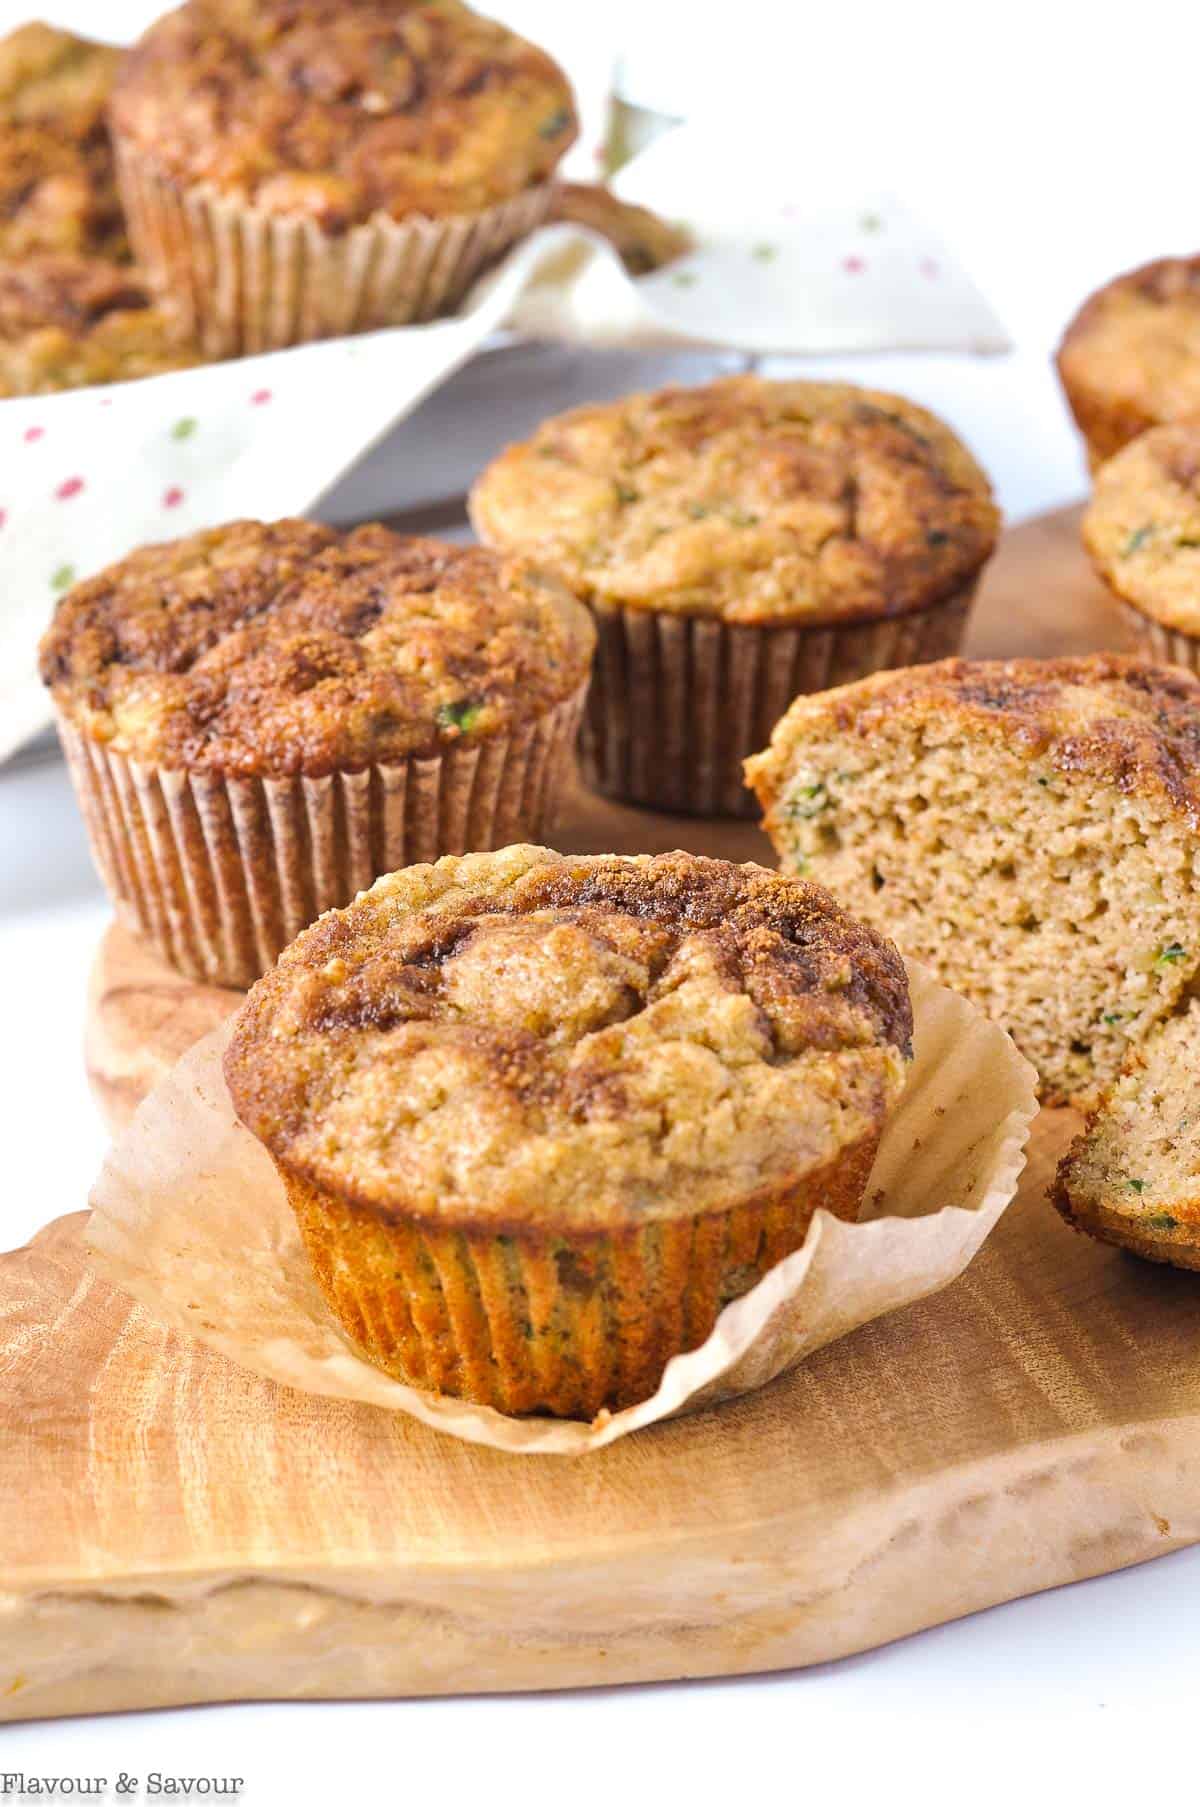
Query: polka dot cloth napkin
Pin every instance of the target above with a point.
(87, 476)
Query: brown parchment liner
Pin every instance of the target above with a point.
(190, 1217)
(246, 280)
(679, 701)
(220, 874)
(1165, 645)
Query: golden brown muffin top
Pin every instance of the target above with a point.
(57, 188)
(1131, 356)
(532, 1042)
(52, 77)
(1118, 720)
(274, 649)
(339, 109)
(746, 499)
(1142, 527)
(68, 321)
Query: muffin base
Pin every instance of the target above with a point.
(221, 873)
(678, 701)
(1165, 645)
(1179, 1247)
(242, 280)
(529, 1322)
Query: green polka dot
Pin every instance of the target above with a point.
(870, 222)
(764, 253)
(63, 578)
(684, 279)
(184, 428)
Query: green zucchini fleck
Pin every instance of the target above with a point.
(808, 801)
(462, 716)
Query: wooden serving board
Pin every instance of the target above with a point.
(173, 1529)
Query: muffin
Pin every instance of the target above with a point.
(57, 184)
(261, 718)
(1130, 359)
(48, 76)
(293, 169)
(72, 309)
(1133, 1177)
(67, 321)
(541, 1118)
(1028, 829)
(1142, 530)
(739, 543)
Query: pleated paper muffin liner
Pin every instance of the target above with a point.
(221, 873)
(529, 1322)
(679, 701)
(245, 280)
(191, 1217)
(1165, 645)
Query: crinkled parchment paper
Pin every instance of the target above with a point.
(190, 1218)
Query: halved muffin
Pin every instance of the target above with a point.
(737, 544)
(262, 717)
(1133, 1176)
(1028, 829)
(541, 1118)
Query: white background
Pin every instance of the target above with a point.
(1050, 145)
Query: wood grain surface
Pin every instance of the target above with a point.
(174, 1529)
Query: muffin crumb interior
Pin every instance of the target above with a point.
(1027, 829)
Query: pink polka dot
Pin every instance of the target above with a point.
(71, 486)
(260, 396)
(929, 267)
(172, 497)
(854, 266)
(3, 516)
(33, 433)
